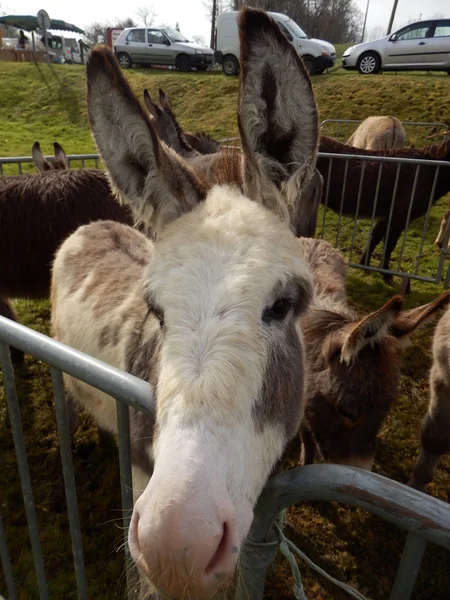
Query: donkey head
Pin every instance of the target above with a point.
(355, 371)
(224, 288)
(60, 161)
(166, 125)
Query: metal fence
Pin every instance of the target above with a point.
(427, 519)
(351, 230)
(417, 133)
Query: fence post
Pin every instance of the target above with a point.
(409, 567)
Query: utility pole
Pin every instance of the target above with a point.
(391, 20)
(365, 21)
(213, 24)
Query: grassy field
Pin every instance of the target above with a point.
(351, 545)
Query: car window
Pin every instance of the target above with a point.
(414, 32)
(284, 30)
(442, 29)
(136, 35)
(155, 37)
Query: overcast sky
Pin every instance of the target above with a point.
(190, 14)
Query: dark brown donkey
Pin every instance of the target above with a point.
(435, 434)
(424, 188)
(353, 362)
(37, 213)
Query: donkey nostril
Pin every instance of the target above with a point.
(220, 552)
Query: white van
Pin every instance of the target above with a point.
(317, 55)
(66, 50)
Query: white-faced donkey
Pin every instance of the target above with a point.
(208, 314)
(353, 362)
(435, 434)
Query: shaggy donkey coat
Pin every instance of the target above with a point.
(378, 133)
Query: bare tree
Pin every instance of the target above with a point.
(96, 33)
(375, 33)
(147, 15)
(199, 39)
(213, 10)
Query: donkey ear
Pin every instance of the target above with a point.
(164, 100)
(152, 107)
(153, 180)
(38, 158)
(370, 329)
(277, 118)
(60, 154)
(410, 320)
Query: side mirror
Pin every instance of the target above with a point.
(393, 37)
(167, 42)
(289, 37)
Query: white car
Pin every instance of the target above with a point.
(422, 46)
(317, 55)
(156, 46)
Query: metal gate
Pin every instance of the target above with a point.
(351, 232)
(427, 519)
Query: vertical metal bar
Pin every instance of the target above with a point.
(344, 186)
(388, 230)
(25, 481)
(375, 202)
(358, 200)
(408, 217)
(126, 481)
(19, 164)
(427, 218)
(82, 163)
(96, 163)
(408, 568)
(6, 564)
(327, 192)
(1, 168)
(69, 482)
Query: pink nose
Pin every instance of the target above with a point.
(185, 554)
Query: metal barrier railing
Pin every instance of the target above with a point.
(419, 132)
(28, 160)
(357, 223)
(427, 519)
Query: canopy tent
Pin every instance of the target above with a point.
(30, 23)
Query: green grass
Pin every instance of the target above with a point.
(349, 543)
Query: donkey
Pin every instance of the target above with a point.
(60, 161)
(226, 164)
(37, 213)
(208, 314)
(353, 362)
(439, 241)
(342, 195)
(202, 142)
(435, 434)
(379, 133)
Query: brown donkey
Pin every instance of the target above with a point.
(58, 163)
(208, 313)
(345, 199)
(353, 362)
(435, 434)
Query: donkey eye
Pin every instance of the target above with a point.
(278, 311)
(345, 414)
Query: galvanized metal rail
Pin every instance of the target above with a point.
(427, 519)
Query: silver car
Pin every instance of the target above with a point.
(422, 46)
(156, 46)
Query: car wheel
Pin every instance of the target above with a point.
(369, 63)
(124, 60)
(183, 63)
(310, 64)
(230, 65)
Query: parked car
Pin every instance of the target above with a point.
(156, 46)
(317, 55)
(421, 46)
(65, 50)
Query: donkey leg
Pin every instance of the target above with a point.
(309, 448)
(6, 310)
(377, 235)
(389, 244)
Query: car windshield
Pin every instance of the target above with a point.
(295, 29)
(175, 36)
